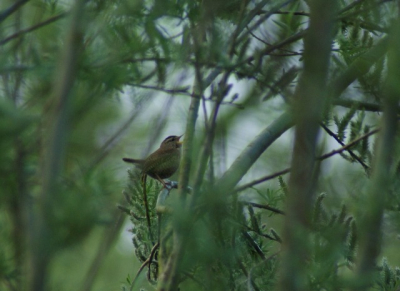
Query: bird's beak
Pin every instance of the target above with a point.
(180, 142)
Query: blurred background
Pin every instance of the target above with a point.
(85, 83)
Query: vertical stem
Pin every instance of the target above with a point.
(169, 275)
(19, 201)
(309, 102)
(42, 238)
(370, 223)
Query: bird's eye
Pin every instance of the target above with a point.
(169, 139)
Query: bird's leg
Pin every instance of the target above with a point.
(162, 181)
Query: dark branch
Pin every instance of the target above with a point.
(270, 208)
(323, 157)
(32, 28)
(10, 10)
(352, 154)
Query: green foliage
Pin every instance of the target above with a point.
(63, 117)
(280, 86)
(235, 248)
(389, 278)
(143, 237)
(357, 127)
(227, 246)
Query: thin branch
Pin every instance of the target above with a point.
(32, 28)
(359, 104)
(375, 52)
(169, 275)
(351, 6)
(180, 90)
(323, 157)
(295, 37)
(206, 151)
(147, 59)
(347, 146)
(262, 180)
(360, 11)
(184, 91)
(263, 206)
(352, 154)
(235, 34)
(145, 263)
(242, 24)
(10, 10)
(268, 44)
(152, 254)
(263, 19)
(253, 244)
(298, 13)
(258, 232)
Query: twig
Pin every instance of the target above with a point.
(244, 21)
(181, 90)
(295, 37)
(260, 233)
(262, 19)
(235, 34)
(352, 154)
(253, 244)
(323, 157)
(10, 10)
(145, 263)
(263, 179)
(349, 145)
(350, 6)
(32, 28)
(263, 206)
(152, 253)
(359, 104)
(298, 13)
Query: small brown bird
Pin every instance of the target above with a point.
(164, 162)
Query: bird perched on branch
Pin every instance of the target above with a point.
(164, 162)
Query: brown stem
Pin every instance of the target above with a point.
(309, 101)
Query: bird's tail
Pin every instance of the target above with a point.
(133, 161)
